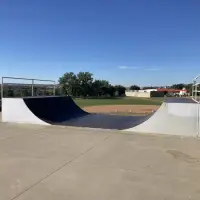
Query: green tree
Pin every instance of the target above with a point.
(134, 87)
(188, 87)
(58, 91)
(69, 83)
(85, 81)
(179, 86)
(149, 87)
(120, 90)
(111, 90)
(26, 91)
(8, 92)
(17, 93)
(100, 87)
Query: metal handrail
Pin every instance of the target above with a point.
(29, 79)
(195, 89)
(196, 77)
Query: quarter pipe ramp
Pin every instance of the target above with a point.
(173, 117)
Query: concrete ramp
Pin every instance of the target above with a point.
(172, 119)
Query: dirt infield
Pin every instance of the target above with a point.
(136, 109)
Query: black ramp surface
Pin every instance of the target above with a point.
(106, 121)
(63, 111)
(54, 109)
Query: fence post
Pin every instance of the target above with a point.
(1, 88)
(32, 88)
(54, 88)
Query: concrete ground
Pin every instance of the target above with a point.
(54, 163)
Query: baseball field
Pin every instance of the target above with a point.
(125, 105)
(118, 101)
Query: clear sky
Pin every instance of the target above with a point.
(127, 42)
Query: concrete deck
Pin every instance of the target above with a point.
(40, 163)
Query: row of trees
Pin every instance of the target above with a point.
(83, 84)
(78, 85)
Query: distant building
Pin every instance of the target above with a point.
(147, 92)
(179, 92)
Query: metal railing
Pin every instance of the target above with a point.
(196, 89)
(32, 84)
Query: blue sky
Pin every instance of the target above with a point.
(145, 42)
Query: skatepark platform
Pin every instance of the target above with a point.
(176, 116)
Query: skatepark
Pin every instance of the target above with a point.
(98, 100)
(67, 153)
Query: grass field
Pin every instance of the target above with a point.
(118, 101)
